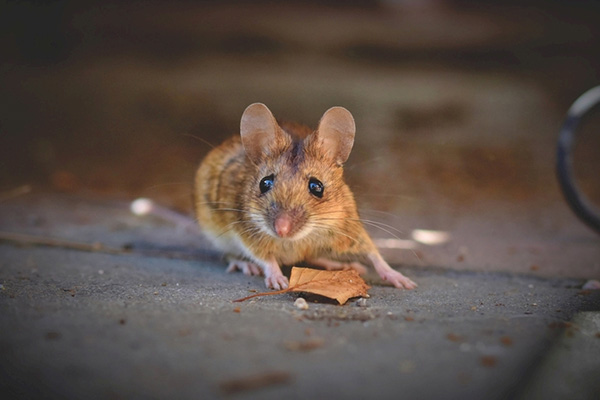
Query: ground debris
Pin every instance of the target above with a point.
(304, 345)
(356, 314)
(336, 285)
(301, 304)
(591, 285)
(488, 361)
(254, 382)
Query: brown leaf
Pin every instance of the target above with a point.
(337, 285)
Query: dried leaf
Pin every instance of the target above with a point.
(337, 285)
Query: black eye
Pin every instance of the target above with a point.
(266, 183)
(316, 187)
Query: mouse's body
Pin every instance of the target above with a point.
(275, 195)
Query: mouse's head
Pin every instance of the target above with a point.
(297, 185)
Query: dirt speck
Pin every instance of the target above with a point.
(506, 341)
(489, 361)
(455, 338)
(254, 382)
(304, 345)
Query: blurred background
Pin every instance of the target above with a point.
(458, 105)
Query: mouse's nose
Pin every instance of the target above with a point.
(283, 225)
(288, 222)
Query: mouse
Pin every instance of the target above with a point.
(275, 195)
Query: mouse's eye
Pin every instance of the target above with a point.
(266, 183)
(316, 187)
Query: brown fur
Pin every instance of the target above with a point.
(240, 220)
(227, 179)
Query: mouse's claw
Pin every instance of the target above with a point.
(399, 280)
(389, 274)
(277, 282)
(246, 267)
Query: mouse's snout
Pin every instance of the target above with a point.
(283, 225)
(287, 223)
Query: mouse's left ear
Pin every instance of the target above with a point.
(336, 130)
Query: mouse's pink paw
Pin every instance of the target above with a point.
(277, 282)
(246, 267)
(398, 280)
(389, 274)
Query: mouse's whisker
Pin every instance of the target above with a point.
(219, 207)
(373, 211)
(247, 228)
(212, 146)
(228, 228)
(335, 230)
(390, 230)
(228, 209)
(372, 223)
(334, 214)
(379, 224)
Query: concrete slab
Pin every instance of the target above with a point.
(92, 325)
(570, 370)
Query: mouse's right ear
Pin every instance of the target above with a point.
(259, 131)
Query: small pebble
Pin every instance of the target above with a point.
(362, 302)
(591, 285)
(301, 304)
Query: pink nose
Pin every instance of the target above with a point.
(283, 225)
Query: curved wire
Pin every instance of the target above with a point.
(564, 161)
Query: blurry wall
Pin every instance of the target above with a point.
(462, 100)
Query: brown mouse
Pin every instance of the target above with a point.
(275, 195)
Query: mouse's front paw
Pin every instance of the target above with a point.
(277, 282)
(246, 267)
(398, 280)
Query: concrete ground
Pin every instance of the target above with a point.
(157, 321)
(458, 106)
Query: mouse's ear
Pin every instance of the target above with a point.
(259, 130)
(336, 130)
